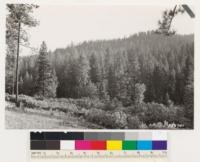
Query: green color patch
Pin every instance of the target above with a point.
(129, 145)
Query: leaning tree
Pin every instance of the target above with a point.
(169, 15)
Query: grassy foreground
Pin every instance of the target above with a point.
(38, 119)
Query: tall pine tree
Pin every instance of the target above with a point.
(132, 74)
(19, 16)
(46, 84)
(112, 82)
(94, 69)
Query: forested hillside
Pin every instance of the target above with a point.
(143, 70)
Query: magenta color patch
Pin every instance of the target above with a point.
(83, 145)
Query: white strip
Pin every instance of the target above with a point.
(67, 145)
(158, 135)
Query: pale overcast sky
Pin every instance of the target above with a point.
(61, 25)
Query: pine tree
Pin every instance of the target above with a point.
(179, 92)
(189, 87)
(46, 81)
(11, 42)
(21, 85)
(107, 62)
(101, 86)
(171, 84)
(119, 67)
(77, 82)
(112, 82)
(83, 79)
(10, 73)
(159, 86)
(94, 69)
(27, 84)
(20, 15)
(149, 94)
(132, 74)
(188, 70)
(69, 82)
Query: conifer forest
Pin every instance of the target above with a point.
(142, 81)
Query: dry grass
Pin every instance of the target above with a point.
(18, 119)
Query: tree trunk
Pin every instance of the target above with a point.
(17, 63)
(13, 78)
(13, 84)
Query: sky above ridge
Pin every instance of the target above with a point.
(62, 25)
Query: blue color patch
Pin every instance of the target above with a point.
(144, 145)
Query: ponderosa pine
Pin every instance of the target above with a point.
(46, 83)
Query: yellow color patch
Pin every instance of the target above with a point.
(114, 145)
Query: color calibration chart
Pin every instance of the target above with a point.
(98, 146)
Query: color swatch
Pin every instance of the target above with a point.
(97, 141)
(129, 145)
(114, 145)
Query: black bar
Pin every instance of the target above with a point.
(36, 136)
(52, 135)
(57, 136)
(45, 135)
(72, 136)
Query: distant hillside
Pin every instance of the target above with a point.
(151, 51)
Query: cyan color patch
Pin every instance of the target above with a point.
(144, 145)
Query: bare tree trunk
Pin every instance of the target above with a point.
(13, 83)
(17, 64)
(13, 78)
